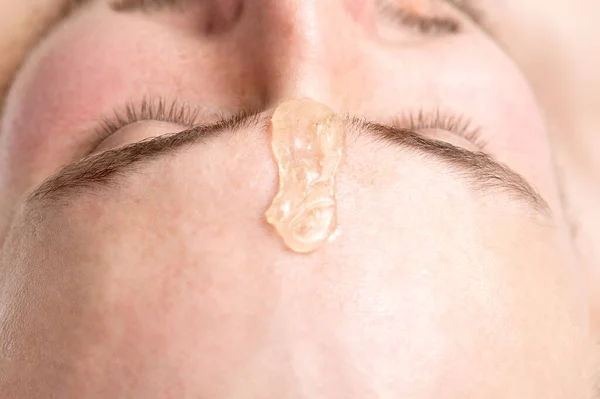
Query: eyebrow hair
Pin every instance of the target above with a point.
(470, 9)
(147, 5)
(102, 167)
(480, 169)
(467, 7)
(75, 4)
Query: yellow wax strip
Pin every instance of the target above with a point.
(309, 146)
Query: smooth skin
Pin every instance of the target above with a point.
(171, 284)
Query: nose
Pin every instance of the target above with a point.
(306, 47)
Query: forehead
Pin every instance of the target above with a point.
(183, 261)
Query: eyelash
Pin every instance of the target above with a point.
(183, 114)
(456, 124)
(428, 25)
(148, 110)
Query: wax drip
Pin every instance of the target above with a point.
(309, 146)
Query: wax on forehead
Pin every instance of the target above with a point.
(308, 143)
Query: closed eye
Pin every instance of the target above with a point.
(426, 119)
(148, 109)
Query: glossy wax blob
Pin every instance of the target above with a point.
(309, 146)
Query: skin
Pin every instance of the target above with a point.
(565, 80)
(21, 25)
(171, 283)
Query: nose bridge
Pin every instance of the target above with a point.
(301, 23)
(306, 42)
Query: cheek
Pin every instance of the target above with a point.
(485, 83)
(81, 76)
(497, 94)
(88, 67)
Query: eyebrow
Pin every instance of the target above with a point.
(481, 170)
(470, 9)
(467, 7)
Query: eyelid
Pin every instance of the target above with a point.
(148, 109)
(457, 124)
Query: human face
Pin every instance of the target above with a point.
(146, 267)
